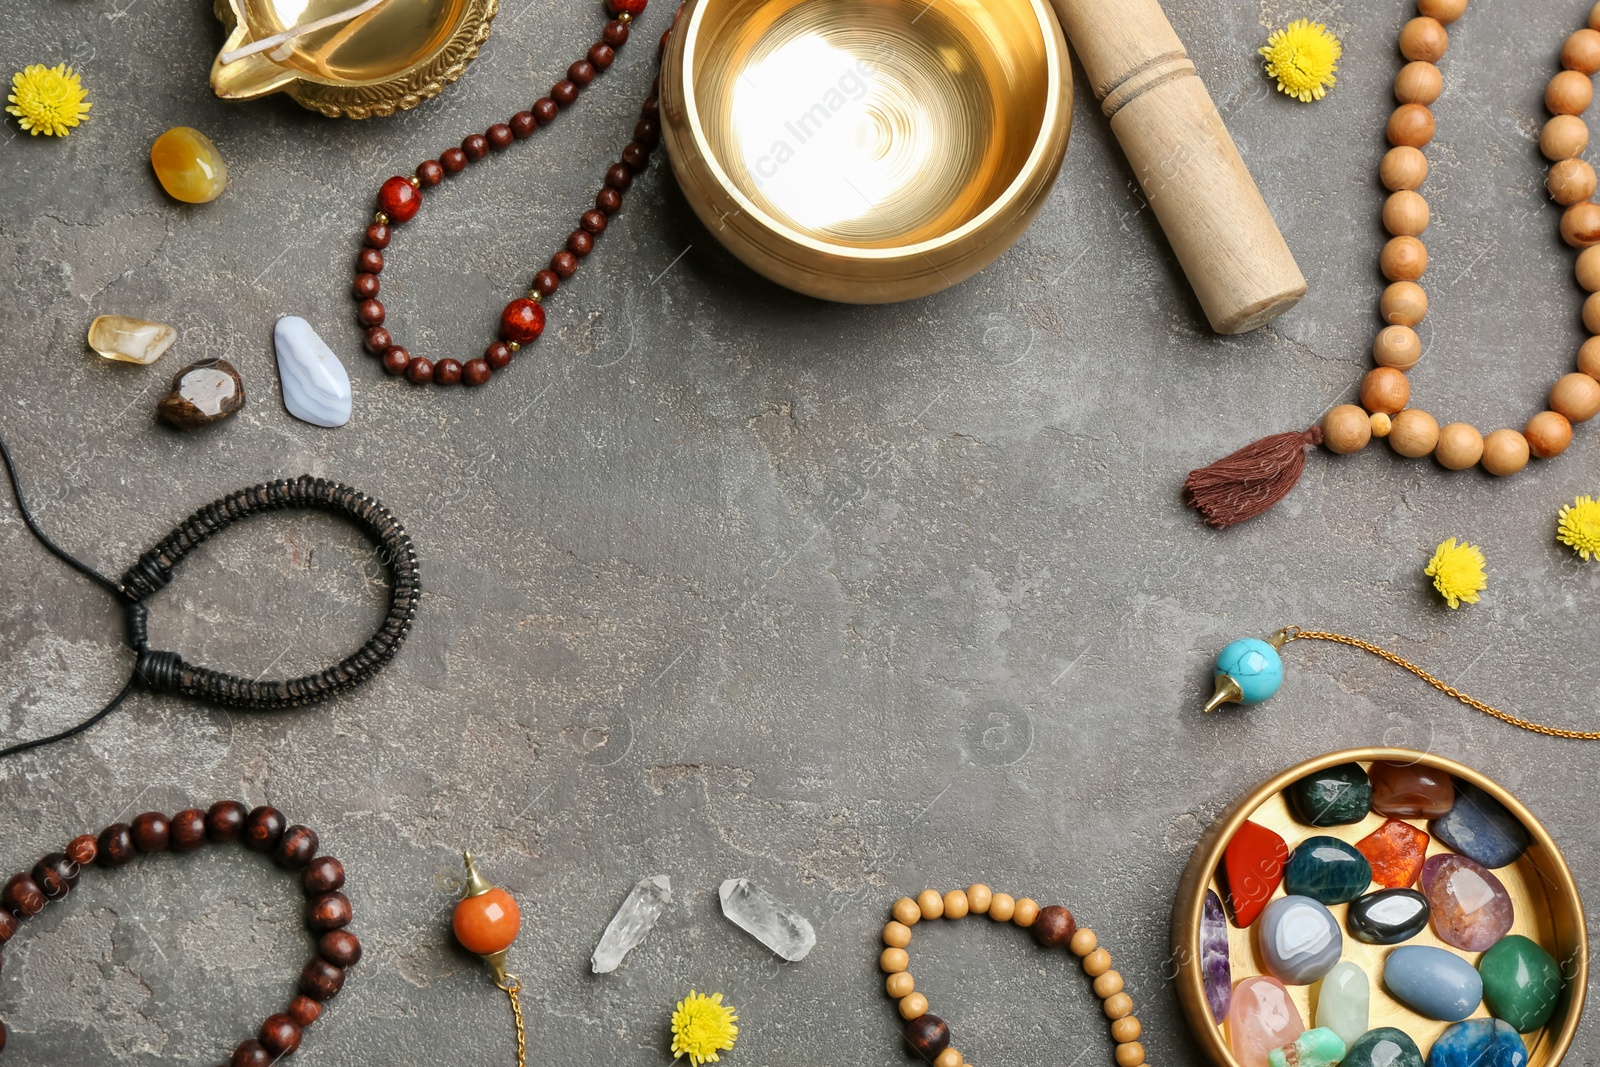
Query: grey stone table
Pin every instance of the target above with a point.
(724, 581)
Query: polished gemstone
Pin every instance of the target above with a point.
(202, 393)
(1396, 851)
(316, 388)
(1300, 940)
(1410, 790)
(1478, 1043)
(1261, 1017)
(1344, 1000)
(1313, 1048)
(130, 340)
(1335, 796)
(1521, 982)
(1253, 866)
(188, 165)
(1470, 908)
(1433, 982)
(1383, 1047)
(1215, 969)
(1388, 916)
(1254, 665)
(1327, 870)
(1479, 826)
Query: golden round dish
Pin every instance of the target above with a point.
(388, 59)
(866, 150)
(1544, 897)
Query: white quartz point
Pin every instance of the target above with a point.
(768, 920)
(316, 388)
(636, 918)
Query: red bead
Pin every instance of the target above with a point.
(55, 875)
(429, 172)
(547, 282)
(447, 372)
(330, 911)
(264, 826)
(630, 7)
(188, 831)
(475, 145)
(498, 355)
(378, 235)
(281, 1035)
(593, 221)
(251, 1054)
(580, 242)
(369, 261)
(453, 160)
(564, 263)
(545, 110)
(1053, 927)
(116, 845)
(619, 176)
(81, 850)
(399, 200)
(615, 33)
(304, 1010)
(365, 286)
(608, 200)
(636, 155)
(476, 372)
(323, 875)
(420, 370)
(377, 340)
(651, 108)
(8, 926)
(320, 979)
(581, 72)
(396, 360)
(601, 55)
(523, 124)
(498, 136)
(340, 948)
(522, 321)
(647, 133)
(151, 832)
(225, 821)
(22, 896)
(296, 847)
(564, 92)
(369, 313)
(1253, 862)
(929, 1035)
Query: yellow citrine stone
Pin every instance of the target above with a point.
(130, 340)
(188, 165)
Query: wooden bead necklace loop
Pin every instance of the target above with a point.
(523, 319)
(1052, 926)
(263, 829)
(1250, 481)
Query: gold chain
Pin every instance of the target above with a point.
(512, 985)
(1294, 633)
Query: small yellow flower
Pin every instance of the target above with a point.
(1303, 57)
(702, 1026)
(1579, 528)
(1457, 572)
(47, 100)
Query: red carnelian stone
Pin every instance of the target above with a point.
(487, 922)
(1253, 863)
(1396, 851)
(632, 7)
(522, 321)
(399, 200)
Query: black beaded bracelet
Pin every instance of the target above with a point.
(265, 830)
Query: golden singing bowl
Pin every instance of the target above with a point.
(388, 59)
(866, 150)
(1544, 897)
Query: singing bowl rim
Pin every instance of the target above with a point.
(1189, 901)
(1058, 102)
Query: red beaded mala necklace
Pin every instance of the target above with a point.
(522, 321)
(1253, 479)
(263, 830)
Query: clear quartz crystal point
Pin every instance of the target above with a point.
(770, 921)
(632, 922)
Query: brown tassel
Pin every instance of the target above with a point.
(1248, 482)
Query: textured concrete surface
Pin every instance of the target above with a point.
(723, 581)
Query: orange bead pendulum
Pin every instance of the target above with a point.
(486, 921)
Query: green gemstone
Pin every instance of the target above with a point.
(1336, 796)
(1313, 1048)
(1383, 1047)
(1521, 982)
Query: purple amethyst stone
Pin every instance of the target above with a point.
(1214, 968)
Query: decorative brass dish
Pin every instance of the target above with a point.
(866, 150)
(1544, 896)
(387, 59)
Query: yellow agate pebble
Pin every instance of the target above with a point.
(188, 165)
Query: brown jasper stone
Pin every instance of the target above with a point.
(1405, 214)
(1404, 259)
(1569, 93)
(281, 1035)
(1398, 347)
(304, 1010)
(323, 875)
(321, 980)
(1424, 39)
(1570, 181)
(55, 875)
(1580, 224)
(1563, 137)
(151, 832)
(1504, 452)
(296, 847)
(251, 1054)
(1054, 926)
(116, 845)
(340, 948)
(22, 896)
(1576, 397)
(1411, 125)
(263, 827)
(1385, 389)
(82, 850)
(1548, 433)
(1403, 167)
(8, 926)
(330, 911)
(1581, 52)
(202, 393)
(225, 821)
(1413, 433)
(928, 1035)
(1346, 429)
(1446, 11)
(1460, 446)
(1404, 304)
(1418, 83)
(187, 831)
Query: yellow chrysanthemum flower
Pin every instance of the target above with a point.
(47, 100)
(1303, 57)
(702, 1026)
(1579, 528)
(1457, 572)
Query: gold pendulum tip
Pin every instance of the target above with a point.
(1228, 692)
(476, 885)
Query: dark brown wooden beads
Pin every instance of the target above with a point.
(296, 847)
(187, 831)
(330, 911)
(1054, 926)
(151, 832)
(251, 1054)
(281, 1035)
(55, 875)
(263, 827)
(305, 1011)
(323, 875)
(928, 1035)
(321, 980)
(340, 948)
(83, 849)
(22, 896)
(225, 821)
(116, 845)
(8, 926)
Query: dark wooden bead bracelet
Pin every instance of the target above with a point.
(262, 830)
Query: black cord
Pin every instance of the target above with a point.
(23, 746)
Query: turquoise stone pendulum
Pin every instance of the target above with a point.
(1248, 671)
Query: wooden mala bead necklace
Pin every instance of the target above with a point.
(522, 320)
(1253, 479)
(263, 829)
(1052, 927)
